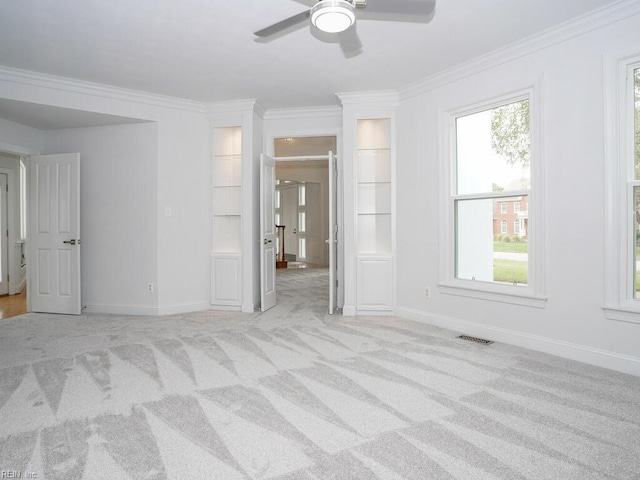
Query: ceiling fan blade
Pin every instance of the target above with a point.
(398, 10)
(282, 25)
(308, 3)
(350, 42)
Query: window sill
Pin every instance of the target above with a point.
(514, 298)
(622, 314)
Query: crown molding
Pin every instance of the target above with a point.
(298, 113)
(231, 106)
(576, 27)
(382, 98)
(64, 84)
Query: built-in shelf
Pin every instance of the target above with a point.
(227, 190)
(226, 211)
(373, 183)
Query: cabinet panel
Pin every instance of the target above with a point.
(225, 280)
(375, 283)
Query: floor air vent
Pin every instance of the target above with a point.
(475, 339)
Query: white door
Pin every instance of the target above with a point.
(54, 233)
(267, 232)
(4, 237)
(333, 234)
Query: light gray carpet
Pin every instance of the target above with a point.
(293, 394)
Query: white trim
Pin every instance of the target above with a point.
(18, 149)
(121, 309)
(533, 294)
(494, 293)
(618, 174)
(349, 311)
(184, 308)
(65, 84)
(384, 99)
(215, 109)
(582, 353)
(139, 310)
(573, 28)
(298, 113)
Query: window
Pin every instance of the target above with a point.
(622, 248)
(516, 207)
(634, 106)
(301, 195)
(302, 221)
(302, 248)
(492, 160)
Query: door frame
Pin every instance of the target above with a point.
(13, 222)
(314, 132)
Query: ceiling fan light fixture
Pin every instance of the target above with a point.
(333, 16)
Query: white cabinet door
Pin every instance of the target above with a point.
(54, 233)
(267, 232)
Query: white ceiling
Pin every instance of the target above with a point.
(204, 50)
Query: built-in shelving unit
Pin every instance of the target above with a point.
(226, 211)
(374, 214)
(373, 179)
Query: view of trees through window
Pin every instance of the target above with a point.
(491, 198)
(636, 140)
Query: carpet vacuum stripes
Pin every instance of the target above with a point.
(294, 394)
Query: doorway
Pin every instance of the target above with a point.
(13, 288)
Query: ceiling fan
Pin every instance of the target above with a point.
(339, 17)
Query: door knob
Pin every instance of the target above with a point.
(73, 241)
(267, 241)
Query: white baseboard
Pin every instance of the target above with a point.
(349, 310)
(184, 308)
(226, 308)
(121, 309)
(581, 353)
(155, 311)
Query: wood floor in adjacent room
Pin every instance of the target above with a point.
(13, 305)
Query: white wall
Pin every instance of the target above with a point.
(118, 171)
(17, 138)
(181, 176)
(572, 323)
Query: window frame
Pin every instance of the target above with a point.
(532, 294)
(620, 302)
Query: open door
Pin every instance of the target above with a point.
(54, 231)
(267, 233)
(333, 235)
